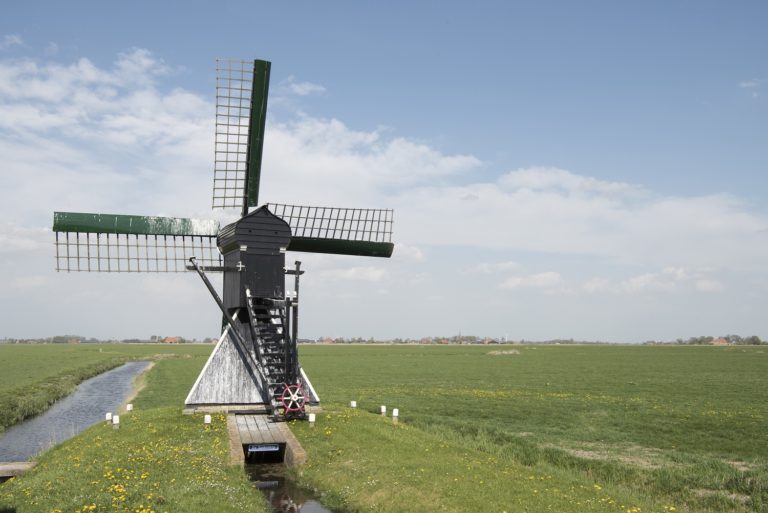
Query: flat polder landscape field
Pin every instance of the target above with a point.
(533, 428)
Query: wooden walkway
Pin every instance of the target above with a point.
(248, 431)
(259, 429)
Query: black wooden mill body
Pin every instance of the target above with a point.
(253, 249)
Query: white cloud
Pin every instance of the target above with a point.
(407, 253)
(27, 282)
(649, 282)
(139, 66)
(17, 239)
(554, 179)
(676, 273)
(111, 138)
(668, 280)
(754, 86)
(530, 211)
(545, 280)
(308, 159)
(302, 88)
(709, 285)
(498, 267)
(10, 40)
(362, 273)
(598, 284)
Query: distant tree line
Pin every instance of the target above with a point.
(735, 340)
(455, 339)
(77, 339)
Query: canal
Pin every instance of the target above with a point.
(86, 406)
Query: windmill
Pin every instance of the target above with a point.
(255, 361)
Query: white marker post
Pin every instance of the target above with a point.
(383, 411)
(395, 415)
(311, 418)
(129, 407)
(353, 404)
(207, 420)
(115, 421)
(108, 417)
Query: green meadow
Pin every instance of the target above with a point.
(492, 428)
(609, 428)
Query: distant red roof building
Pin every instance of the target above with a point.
(720, 342)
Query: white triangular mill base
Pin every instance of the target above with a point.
(226, 379)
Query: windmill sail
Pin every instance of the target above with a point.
(341, 231)
(123, 243)
(242, 88)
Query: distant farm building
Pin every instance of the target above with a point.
(720, 342)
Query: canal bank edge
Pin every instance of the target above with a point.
(138, 384)
(14, 469)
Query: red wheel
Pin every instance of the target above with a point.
(293, 399)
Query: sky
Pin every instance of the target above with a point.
(579, 170)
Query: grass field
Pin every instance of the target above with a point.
(679, 426)
(538, 429)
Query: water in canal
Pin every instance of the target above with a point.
(281, 492)
(83, 408)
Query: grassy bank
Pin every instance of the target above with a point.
(159, 460)
(366, 463)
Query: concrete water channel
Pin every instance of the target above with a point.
(266, 449)
(83, 408)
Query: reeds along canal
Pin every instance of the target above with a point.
(71, 415)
